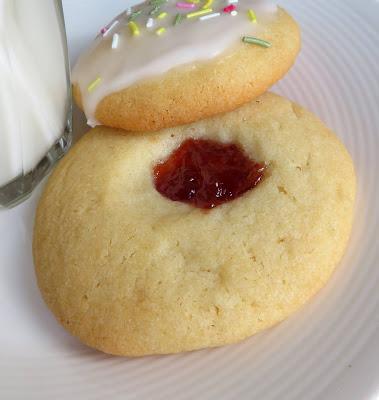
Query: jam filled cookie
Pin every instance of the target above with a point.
(196, 236)
(168, 63)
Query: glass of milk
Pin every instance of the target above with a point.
(35, 95)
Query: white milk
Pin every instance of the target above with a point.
(33, 88)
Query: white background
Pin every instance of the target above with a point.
(329, 350)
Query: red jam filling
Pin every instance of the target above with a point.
(206, 174)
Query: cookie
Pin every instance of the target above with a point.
(131, 272)
(144, 78)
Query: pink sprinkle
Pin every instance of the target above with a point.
(185, 5)
(103, 30)
(230, 8)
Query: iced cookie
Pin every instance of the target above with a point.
(149, 244)
(168, 63)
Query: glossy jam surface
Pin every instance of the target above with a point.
(207, 173)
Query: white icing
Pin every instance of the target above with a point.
(148, 55)
(34, 89)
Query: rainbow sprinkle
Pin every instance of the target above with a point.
(104, 31)
(114, 24)
(155, 11)
(199, 13)
(185, 5)
(208, 16)
(148, 14)
(134, 15)
(252, 16)
(160, 31)
(134, 28)
(150, 23)
(115, 41)
(178, 19)
(254, 40)
(207, 4)
(229, 8)
(93, 85)
(157, 2)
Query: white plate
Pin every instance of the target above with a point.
(329, 350)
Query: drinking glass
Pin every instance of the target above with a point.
(35, 95)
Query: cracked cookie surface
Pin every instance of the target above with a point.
(132, 273)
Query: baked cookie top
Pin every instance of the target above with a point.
(157, 36)
(131, 272)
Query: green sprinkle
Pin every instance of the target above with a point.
(178, 19)
(254, 40)
(156, 3)
(155, 11)
(134, 15)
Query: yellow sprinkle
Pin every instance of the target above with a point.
(162, 15)
(199, 13)
(160, 31)
(193, 1)
(94, 84)
(207, 4)
(252, 16)
(134, 28)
